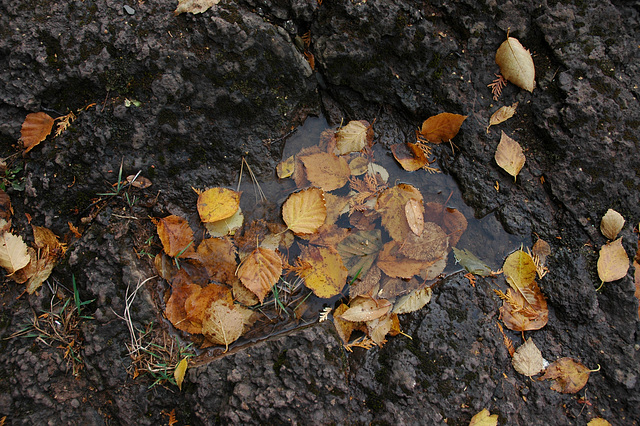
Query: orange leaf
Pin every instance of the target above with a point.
(218, 255)
(176, 235)
(175, 310)
(35, 128)
(326, 171)
(569, 376)
(260, 270)
(365, 309)
(442, 127)
(305, 211)
(409, 155)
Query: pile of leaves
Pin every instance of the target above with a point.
(344, 232)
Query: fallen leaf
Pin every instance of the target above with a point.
(613, 262)
(326, 171)
(413, 301)
(139, 181)
(509, 155)
(216, 204)
(542, 250)
(285, 168)
(243, 295)
(451, 220)
(199, 300)
(414, 211)
(13, 253)
(175, 235)
(218, 256)
(520, 271)
(35, 128)
(442, 127)
(6, 211)
(518, 315)
(359, 165)
(327, 236)
(359, 250)
(409, 155)
(179, 372)
(569, 376)
(367, 284)
(516, 64)
(431, 245)
(305, 211)
(611, 224)
(484, 418)
(336, 207)
(260, 271)
(598, 421)
(353, 137)
(394, 264)
(377, 329)
(44, 238)
(471, 263)
(194, 6)
(343, 327)
(39, 273)
(25, 274)
(365, 309)
(327, 275)
(391, 288)
(502, 114)
(175, 310)
(226, 226)
(224, 323)
(391, 206)
(636, 277)
(528, 359)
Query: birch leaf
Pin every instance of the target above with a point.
(484, 418)
(194, 6)
(285, 168)
(509, 155)
(409, 155)
(442, 127)
(391, 204)
(501, 115)
(327, 275)
(326, 171)
(611, 224)
(260, 271)
(365, 309)
(216, 204)
(516, 64)
(35, 128)
(179, 372)
(305, 211)
(175, 235)
(224, 323)
(353, 137)
(569, 376)
(613, 262)
(13, 253)
(413, 301)
(359, 250)
(528, 359)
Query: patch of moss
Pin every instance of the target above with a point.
(445, 387)
(373, 402)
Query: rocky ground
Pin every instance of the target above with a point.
(233, 82)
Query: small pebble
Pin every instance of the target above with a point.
(129, 9)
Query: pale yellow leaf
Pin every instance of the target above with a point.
(413, 301)
(365, 309)
(226, 226)
(305, 211)
(353, 137)
(502, 114)
(484, 418)
(286, 167)
(519, 267)
(179, 372)
(414, 211)
(611, 224)
(516, 64)
(13, 253)
(613, 262)
(528, 359)
(598, 421)
(194, 6)
(224, 323)
(509, 155)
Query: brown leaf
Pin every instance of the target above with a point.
(516, 64)
(327, 236)
(569, 376)
(442, 127)
(176, 235)
(502, 114)
(6, 211)
(367, 285)
(343, 327)
(518, 315)
(175, 310)
(391, 206)
(509, 155)
(613, 262)
(327, 275)
(305, 211)
(359, 165)
(354, 137)
(198, 302)
(359, 250)
(45, 239)
(413, 301)
(225, 322)
(431, 245)
(409, 155)
(41, 269)
(611, 224)
(243, 295)
(326, 171)
(541, 249)
(394, 264)
(377, 329)
(139, 181)
(260, 271)
(35, 128)
(528, 359)
(218, 256)
(451, 220)
(394, 287)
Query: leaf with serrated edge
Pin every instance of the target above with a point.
(391, 205)
(305, 211)
(353, 137)
(175, 235)
(224, 323)
(528, 359)
(358, 251)
(365, 309)
(327, 275)
(260, 271)
(613, 262)
(509, 155)
(13, 253)
(442, 127)
(326, 171)
(611, 224)
(569, 376)
(516, 64)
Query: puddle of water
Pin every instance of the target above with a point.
(485, 237)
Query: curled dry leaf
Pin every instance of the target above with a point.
(285, 168)
(409, 155)
(528, 359)
(509, 155)
(519, 315)
(35, 128)
(516, 64)
(613, 262)
(354, 137)
(224, 322)
(327, 275)
(139, 181)
(611, 224)
(260, 271)
(502, 114)
(216, 204)
(442, 127)
(343, 327)
(194, 6)
(175, 235)
(305, 211)
(569, 376)
(364, 309)
(326, 171)
(484, 418)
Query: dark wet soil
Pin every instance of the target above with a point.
(232, 83)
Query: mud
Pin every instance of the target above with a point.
(230, 83)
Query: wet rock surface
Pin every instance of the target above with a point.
(231, 82)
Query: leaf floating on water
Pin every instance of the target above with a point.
(395, 265)
(175, 235)
(503, 114)
(179, 372)
(226, 226)
(224, 323)
(442, 127)
(391, 204)
(528, 359)
(216, 204)
(305, 211)
(611, 224)
(354, 137)
(343, 327)
(569, 376)
(327, 275)
(471, 263)
(409, 155)
(194, 6)
(451, 220)
(359, 166)
(613, 262)
(359, 251)
(365, 309)
(260, 271)
(285, 168)
(35, 128)
(484, 418)
(516, 64)
(414, 211)
(326, 171)
(218, 256)
(509, 155)
(430, 245)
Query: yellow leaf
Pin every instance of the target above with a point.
(413, 301)
(260, 271)
(326, 171)
(35, 128)
(194, 6)
(484, 418)
(180, 371)
(327, 275)
(216, 204)
(286, 167)
(598, 421)
(528, 359)
(520, 271)
(305, 211)
(409, 155)
(611, 224)
(442, 127)
(365, 309)
(502, 115)
(224, 323)
(509, 155)
(353, 137)
(516, 64)
(569, 376)
(13, 253)
(613, 262)
(226, 226)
